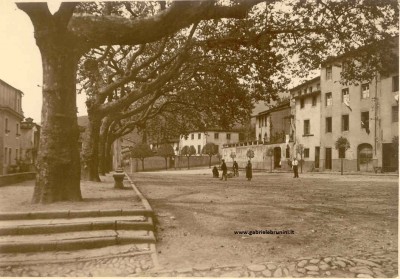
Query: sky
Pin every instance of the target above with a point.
(20, 64)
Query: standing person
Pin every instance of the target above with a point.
(224, 169)
(235, 169)
(249, 171)
(295, 165)
(215, 172)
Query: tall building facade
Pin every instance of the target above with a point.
(11, 116)
(365, 114)
(321, 111)
(307, 120)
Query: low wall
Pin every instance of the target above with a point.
(178, 162)
(9, 179)
(261, 160)
(196, 161)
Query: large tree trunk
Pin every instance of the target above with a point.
(102, 146)
(108, 156)
(58, 162)
(105, 143)
(90, 150)
(102, 154)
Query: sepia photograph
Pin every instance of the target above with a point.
(199, 138)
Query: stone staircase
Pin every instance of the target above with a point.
(62, 236)
(60, 232)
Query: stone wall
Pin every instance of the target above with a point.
(158, 163)
(9, 179)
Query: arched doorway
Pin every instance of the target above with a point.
(277, 157)
(364, 157)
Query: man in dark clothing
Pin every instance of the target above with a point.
(235, 169)
(224, 169)
(215, 172)
(249, 171)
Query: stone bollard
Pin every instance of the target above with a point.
(118, 179)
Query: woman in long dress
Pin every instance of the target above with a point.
(249, 171)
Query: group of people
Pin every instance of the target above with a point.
(249, 170)
(235, 168)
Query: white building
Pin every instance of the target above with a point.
(200, 139)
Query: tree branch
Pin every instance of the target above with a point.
(38, 13)
(64, 13)
(95, 31)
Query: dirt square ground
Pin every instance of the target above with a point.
(329, 214)
(96, 196)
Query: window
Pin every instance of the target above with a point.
(9, 156)
(310, 89)
(345, 95)
(365, 91)
(345, 66)
(228, 136)
(365, 120)
(395, 83)
(198, 136)
(6, 125)
(198, 149)
(301, 103)
(328, 125)
(318, 86)
(5, 155)
(17, 129)
(345, 122)
(192, 136)
(216, 136)
(328, 72)
(395, 114)
(328, 99)
(259, 122)
(306, 127)
(306, 152)
(314, 101)
(16, 154)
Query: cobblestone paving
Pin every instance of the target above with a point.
(115, 266)
(383, 265)
(379, 265)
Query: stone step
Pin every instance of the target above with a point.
(72, 240)
(66, 214)
(11, 259)
(28, 227)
